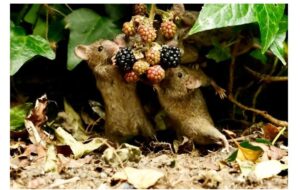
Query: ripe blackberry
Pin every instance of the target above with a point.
(131, 76)
(125, 59)
(147, 33)
(155, 74)
(128, 28)
(170, 56)
(152, 56)
(140, 67)
(140, 9)
(168, 29)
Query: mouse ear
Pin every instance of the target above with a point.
(192, 82)
(81, 51)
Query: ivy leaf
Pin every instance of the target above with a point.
(222, 15)
(32, 14)
(17, 116)
(85, 30)
(219, 53)
(259, 56)
(277, 47)
(116, 12)
(268, 17)
(24, 47)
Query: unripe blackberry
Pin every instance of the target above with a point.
(147, 33)
(168, 29)
(131, 76)
(125, 59)
(170, 56)
(140, 67)
(155, 74)
(137, 20)
(128, 28)
(140, 9)
(152, 56)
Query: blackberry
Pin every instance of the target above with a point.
(125, 59)
(152, 56)
(155, 74)
(128, 28)
(131, 77)
(168, 29)
(140, 9)
(147, 33)
(140, 67)
(170, 56)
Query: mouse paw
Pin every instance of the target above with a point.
(221, 92)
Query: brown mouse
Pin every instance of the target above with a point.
(125, 116)
(185, 106)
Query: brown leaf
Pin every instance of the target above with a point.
(270, 131)
(37, 114)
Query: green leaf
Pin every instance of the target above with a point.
(116, 12)
(277, 47)
(268, 17)
(23, 48)
(40, 28)
(32, 14)
(232, 157)
(222, 15)
(264, 141)
(259, 56)
(86, 27)
(219, 53)
(246, 144)
(17, 116)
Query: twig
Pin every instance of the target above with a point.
(55, 10)
(258, 112)
(231, 68)
(68, 6)
(266, 78)
(243, 138)
(278, 135)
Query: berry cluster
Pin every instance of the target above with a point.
(147, 43)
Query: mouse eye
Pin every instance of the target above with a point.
(179, 74)
(100, 48)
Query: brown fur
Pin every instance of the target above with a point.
(186, 107)
(125, 116)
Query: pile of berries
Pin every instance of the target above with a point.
(155, 58)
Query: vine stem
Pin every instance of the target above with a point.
(152, 12)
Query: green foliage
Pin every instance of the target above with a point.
(219, 53)
(257, 54)
(264, 141)
(24, 47)
(214, 16)
(32, 14)
(268, 17)
(277, 47)
(17, 116)
(87, 29)
(115, 12)
(232, 157)
(246, 144)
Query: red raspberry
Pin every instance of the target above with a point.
(153, 56)
(168, 29)
(140, 9)
(128, 28)
(147, 33)
(140, 67)
(155, 74)
(131, 76)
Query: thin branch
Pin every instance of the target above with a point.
(231, 68)
(258, 112)
(266, 78)
(68, 6)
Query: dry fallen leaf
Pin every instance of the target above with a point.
(78, 148)
(268, 168)
(51, 160)
(270, 131)
(142, 178)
